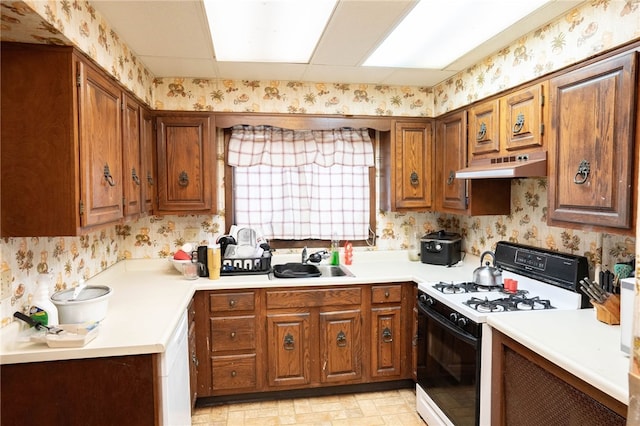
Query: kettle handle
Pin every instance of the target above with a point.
(485, 253)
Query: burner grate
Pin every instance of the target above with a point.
(512, 302)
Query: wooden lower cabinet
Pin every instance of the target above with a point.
(340, 346)
(118, 390)
(278, 339)
(288, 349)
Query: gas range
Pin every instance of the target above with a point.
(545, 280)
(452, 358)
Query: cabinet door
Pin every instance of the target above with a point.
(193, 355)
(484, 129)
(386, 341)
(412, 172)
(288, 349)
(451, 149)
(591, 144)
(131, 170)
(147, 162)
(340, 346)
(100, 148)
(523, 119)
(185, 164)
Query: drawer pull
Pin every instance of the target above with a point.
(232, 303)
(387, 337)
(234, 373)
(288, 342)
(107, 176)
(386, 294)
(183, 179)
(584, 168)
(517, 128)
(341, 339)
(134, 176)
(233, 334)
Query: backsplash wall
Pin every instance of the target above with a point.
(594, 27)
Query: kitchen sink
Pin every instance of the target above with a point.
(308, 270)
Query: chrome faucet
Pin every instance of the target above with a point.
(314, 257)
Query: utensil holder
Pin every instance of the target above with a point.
(608, 311)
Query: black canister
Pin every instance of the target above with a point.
(203, 270)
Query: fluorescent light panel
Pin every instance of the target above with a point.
(267, 31)
(437, 32)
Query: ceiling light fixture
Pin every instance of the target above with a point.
(267, 31)
(435, 32)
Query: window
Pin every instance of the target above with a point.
(302, 184)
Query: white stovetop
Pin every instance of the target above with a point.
(149, 297)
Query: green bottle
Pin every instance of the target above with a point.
(335, 250)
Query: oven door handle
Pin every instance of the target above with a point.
(461, 334)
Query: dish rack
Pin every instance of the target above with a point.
(246, 265)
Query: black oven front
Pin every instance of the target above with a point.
(449, 347)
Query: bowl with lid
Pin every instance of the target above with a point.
(82, 304)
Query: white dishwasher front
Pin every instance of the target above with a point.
(174, 378)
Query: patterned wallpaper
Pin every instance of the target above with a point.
(580, 34)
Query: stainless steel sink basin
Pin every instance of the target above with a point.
(308, 270)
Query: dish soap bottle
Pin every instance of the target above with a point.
(42, 308)
(335, 250)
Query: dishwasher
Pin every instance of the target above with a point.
(174, 378)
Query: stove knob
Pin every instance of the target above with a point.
(423, 298)
(453, 317)
(462, 321)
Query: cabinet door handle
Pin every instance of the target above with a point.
(288, 342)
(452, 176)
(150, 178)
(194, 359)
(134, 176)
(107, 176)
(414, 179)
(518, 126)
(482, 133)
(387, 337)
(183, 179)
(341, 339)
(581, 176)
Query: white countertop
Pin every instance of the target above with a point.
(575, 341)
(149, 297)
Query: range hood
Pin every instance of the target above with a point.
(513, 166)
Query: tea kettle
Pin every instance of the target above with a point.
(487, 275)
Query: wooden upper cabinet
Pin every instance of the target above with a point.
(186, 164)
(148, 176)
(523, 122)
(61, 159)
(451, 155)
(132, 160)
(591, 145)
(511, 123)
(412, 170)
(484, 129)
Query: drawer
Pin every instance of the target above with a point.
(231, 302)
(233, 333)
(234, 372)
(313, 298)
(386, 293)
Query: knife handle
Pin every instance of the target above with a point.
(33, 323)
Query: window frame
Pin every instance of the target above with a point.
(299, 122)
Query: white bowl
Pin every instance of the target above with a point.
(90, 305)
(178, 263)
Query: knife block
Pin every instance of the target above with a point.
(608, 311)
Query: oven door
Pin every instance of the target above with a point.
(449, 366)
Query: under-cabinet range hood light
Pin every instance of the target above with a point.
(512, 166)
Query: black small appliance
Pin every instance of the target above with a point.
(441, 248)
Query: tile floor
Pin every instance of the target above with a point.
(396, 407)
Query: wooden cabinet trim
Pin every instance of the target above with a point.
(282, 299)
